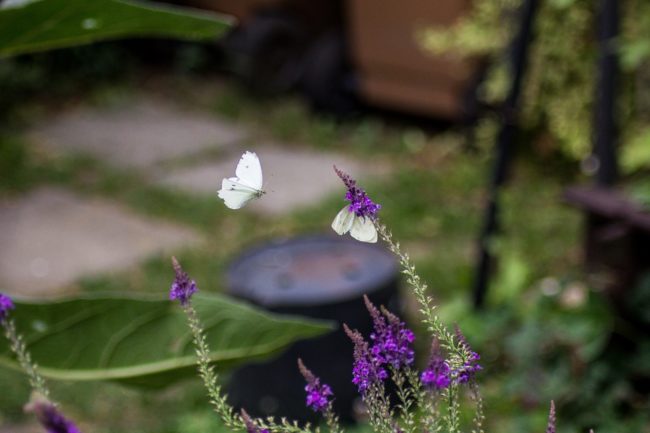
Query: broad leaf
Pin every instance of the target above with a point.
(144, 341)
(46, 24)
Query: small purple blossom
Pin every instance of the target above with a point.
(391, 338)
(360, 203)
(251, 427)
(183, 287)
(437, 375)
(318, 395)
(471, 366)
(366, 370)
(6, 304)
(550, 428)
(50, 417)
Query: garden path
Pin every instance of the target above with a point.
(52, 237)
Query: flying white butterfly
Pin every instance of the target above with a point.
(247, 185)
(360, 227)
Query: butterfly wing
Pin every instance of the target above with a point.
(235, 194)
(343, 221)
(364, 230)
(249, 171)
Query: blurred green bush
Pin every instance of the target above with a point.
(560, 83)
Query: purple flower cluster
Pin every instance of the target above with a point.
(366, 370)
(6, 304)
(318, 395)
(471, 365)
(251, 427)
(360, 203)
(391, 338)
(550, 428)
(437, 375)
(50, 417)
(183, 287)
(391, 345)
(469, 368)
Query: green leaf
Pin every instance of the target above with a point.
(513, 278)
(48, 24)
(144, 341)
(636, 153)
(634, 53)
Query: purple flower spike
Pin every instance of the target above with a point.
(6, 304)
(182, 288)
(366, 370)
(250, 424)
(360, 203)
(471, 366)
(392, 340)
(50, 417)
(550, 428)
(318, 396)
(437, 374)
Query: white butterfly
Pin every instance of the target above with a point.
(360, 228)
(247, 185)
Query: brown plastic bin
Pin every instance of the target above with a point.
(391, 68)
(394, 70)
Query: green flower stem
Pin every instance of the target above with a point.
(378, 407)
(479, 416)
(407, 400)
(230, 418)
(207, 373)
(18, 346)
(332, 420)
(427, 307)
(453, 414)
(431, 415)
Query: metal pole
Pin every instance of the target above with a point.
(505, 144)
(605, 131)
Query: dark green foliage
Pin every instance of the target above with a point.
(47, 24)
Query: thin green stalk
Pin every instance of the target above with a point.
(18, 346)
(430, 420)
(427, 306)
(332, 420)
(453, 413)
(407, 400)
(379, 410)
(479, 416)
(230, 418)
(207, 373)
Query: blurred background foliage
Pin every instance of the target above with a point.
(560, 83)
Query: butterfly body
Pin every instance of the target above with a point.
(237, 191)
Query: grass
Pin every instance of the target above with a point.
(432, 200)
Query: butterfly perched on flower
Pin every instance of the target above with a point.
(358, 217)
(246, 185)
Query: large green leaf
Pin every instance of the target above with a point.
(145, 341)
(46, 24)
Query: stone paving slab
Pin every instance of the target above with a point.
(51, 237)
(138, 133)
(292, 178)
(31, 427)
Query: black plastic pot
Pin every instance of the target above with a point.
(322, 277)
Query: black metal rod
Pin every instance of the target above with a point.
(604, 128)
(505, 146)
